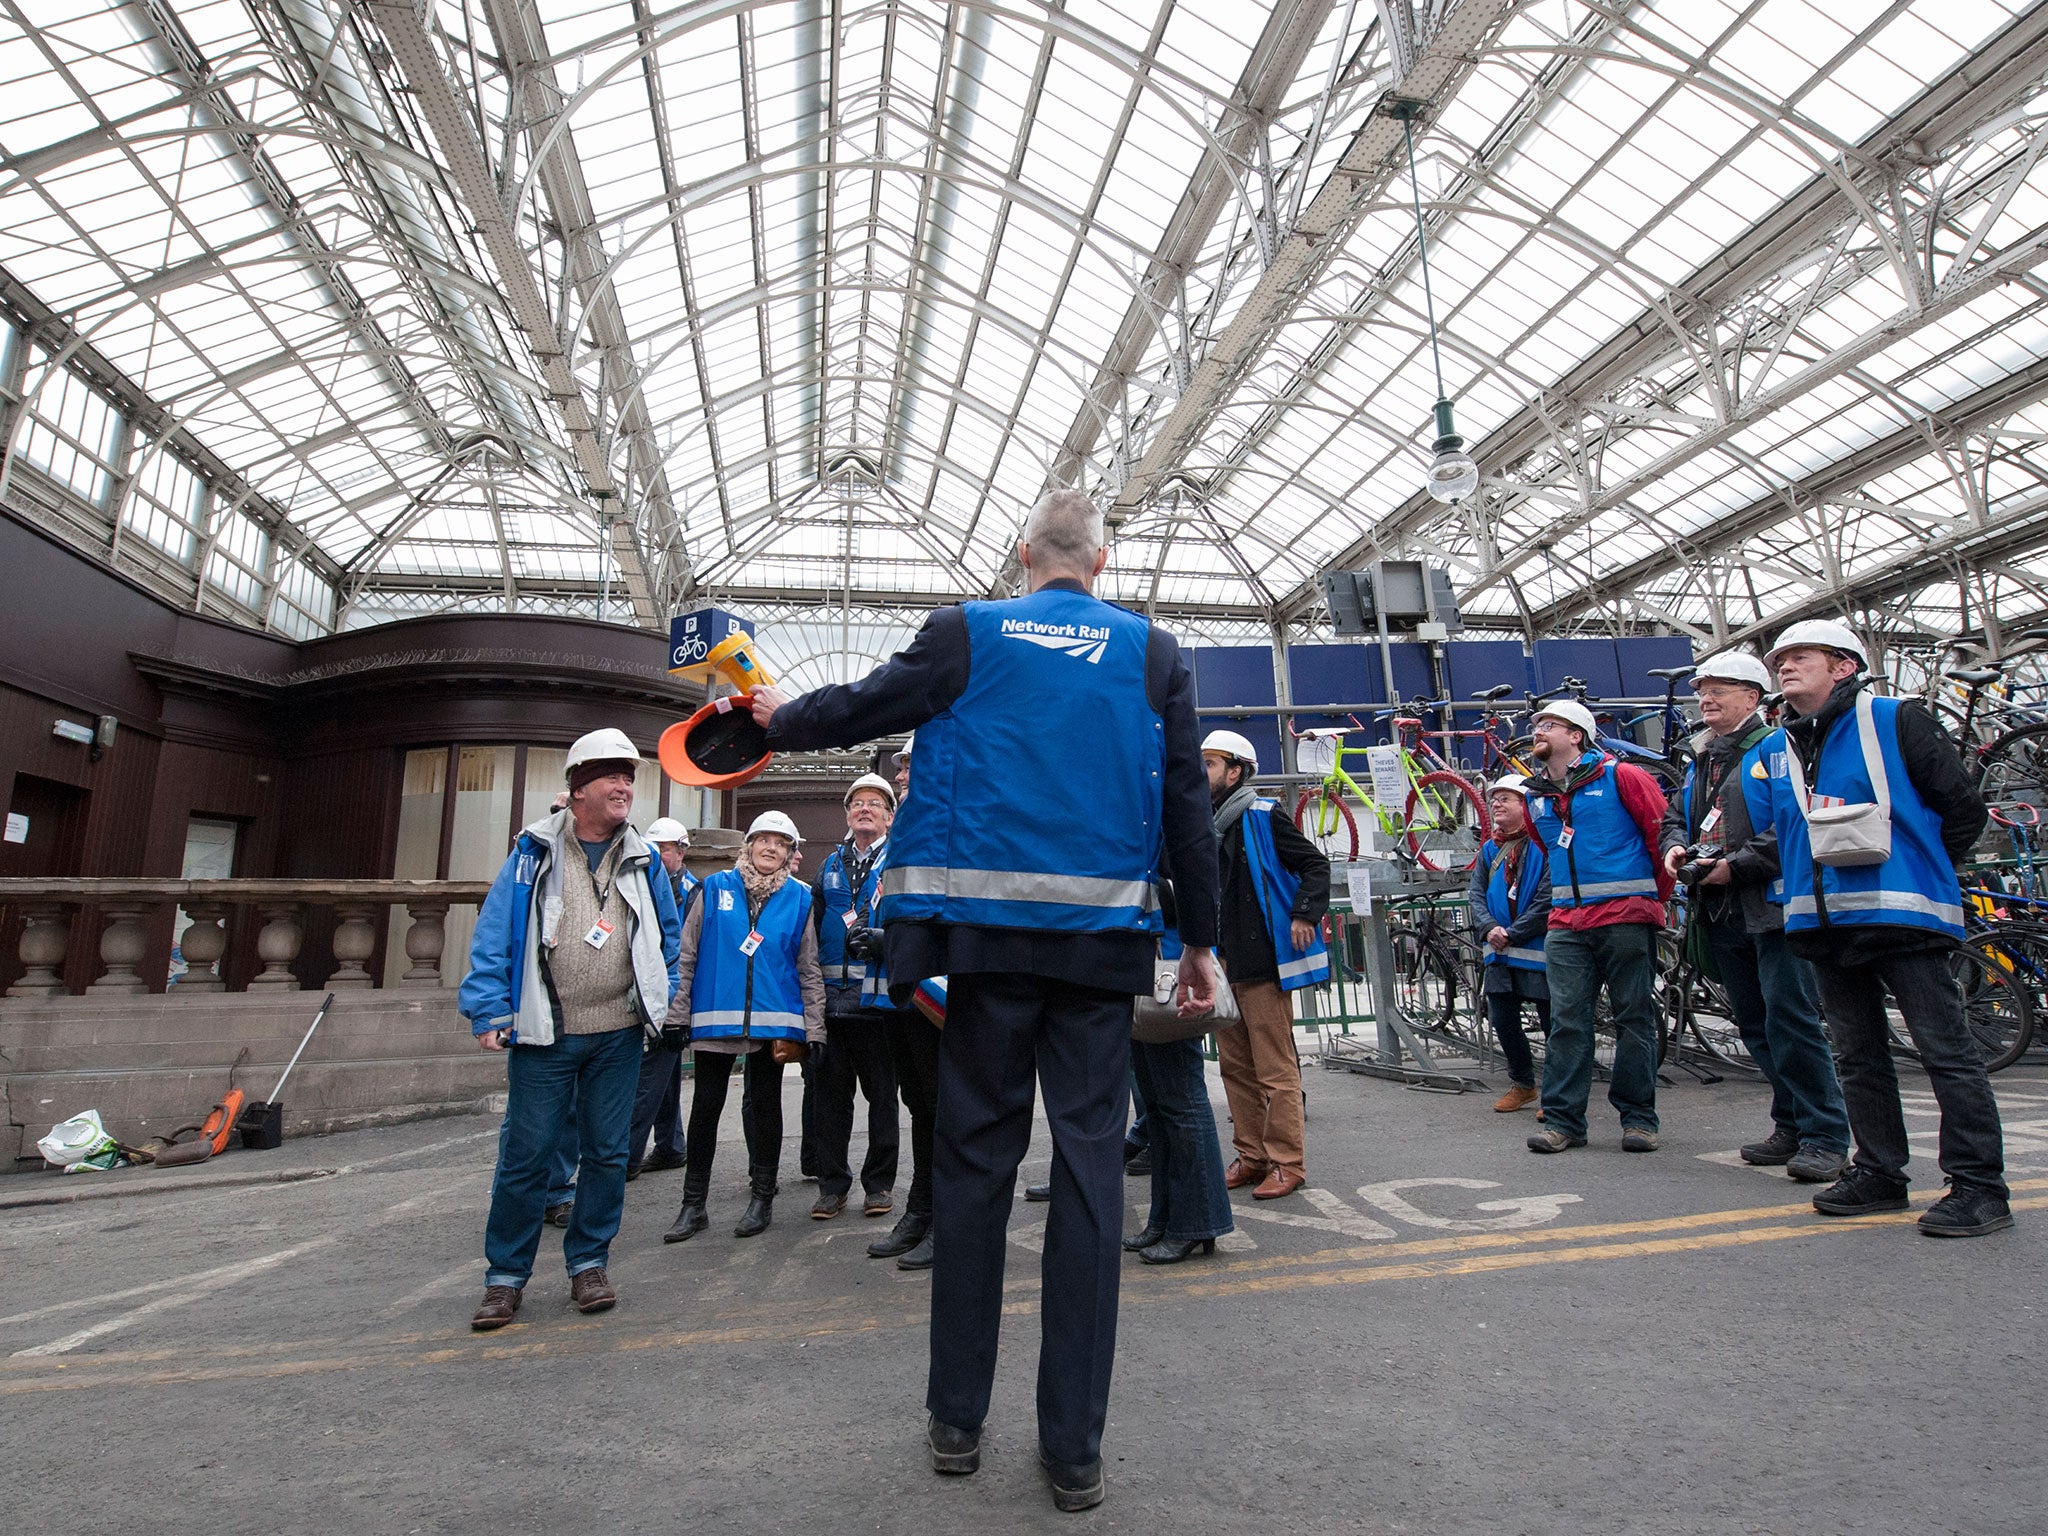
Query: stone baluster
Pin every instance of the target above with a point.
(424, 941)
(354, 942)
(278, 946)
(45, 940)
(205, 941)
(122, 944)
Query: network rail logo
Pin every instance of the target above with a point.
(1081, 640)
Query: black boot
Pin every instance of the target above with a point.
(689, 1221)
(919, 1257)
(908, 1233)
(760, 1212)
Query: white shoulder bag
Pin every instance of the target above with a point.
(1848, 836)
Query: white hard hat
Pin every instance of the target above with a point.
(1508, 783)
(1571, 712)
(774, 821)
(1734, 667)
(600, 747)
(1825, 633)
(667, 829)
(1230, 744)
(904, 751)
(877, 783)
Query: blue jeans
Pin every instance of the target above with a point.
(587, 1080)
(1189, 1200)
(658, 1107)
(1622, 957)
(1139, 1136)
(1777, 1008)
(562, 1172)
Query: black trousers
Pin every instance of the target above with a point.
(1971, 1147)
(710, 1078)
(658, 1106)
(914, 1048)
(1000, 1029)
(857, 1053)
(1504, 1013)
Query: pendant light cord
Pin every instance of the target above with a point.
(1422, 247)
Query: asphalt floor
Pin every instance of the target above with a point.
(1442, 1333)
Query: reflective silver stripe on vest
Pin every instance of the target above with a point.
(1306, 965)
(1880, 901)
(853, 972)
(1603, 888)
(732, 1018)
(1019, 885)
(1523, 954)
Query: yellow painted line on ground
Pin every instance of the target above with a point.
(579, 1338)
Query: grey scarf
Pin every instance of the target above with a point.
(1233, 807)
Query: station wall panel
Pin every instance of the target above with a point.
(1593, 661)
(1639, 654)
(1237, 674)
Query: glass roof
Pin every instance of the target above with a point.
(325, 313)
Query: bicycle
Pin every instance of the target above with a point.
(1442, 823)
(1668, 765)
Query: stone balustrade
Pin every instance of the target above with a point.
(126, 905)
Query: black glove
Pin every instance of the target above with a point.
(864, 943)
(816, 1059)
(674, 1036)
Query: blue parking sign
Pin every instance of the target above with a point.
(691, 637)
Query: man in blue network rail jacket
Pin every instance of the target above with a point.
(1057, 768)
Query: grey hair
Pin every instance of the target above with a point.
(1065, 531)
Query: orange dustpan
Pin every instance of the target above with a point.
(719, 747)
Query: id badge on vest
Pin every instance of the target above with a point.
(751, 943)
(600, 931)
(1564, 838)
(1710, 821)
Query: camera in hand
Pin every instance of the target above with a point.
(1699, 858)
(674, 1036)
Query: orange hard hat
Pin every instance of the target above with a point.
(719, 747)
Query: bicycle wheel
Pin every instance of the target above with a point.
(1326, 821)
(1425, 988)
(1993, 969)
(2015, 767)
(1446, 822)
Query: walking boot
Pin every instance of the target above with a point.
(909, 1231)
(919, 1257)
(760, 1212)
(691, 1219)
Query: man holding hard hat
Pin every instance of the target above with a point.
(1057, 770)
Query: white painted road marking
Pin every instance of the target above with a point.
(1518, 1211)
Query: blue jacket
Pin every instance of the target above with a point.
(1915, 887)
(737, 995)
(1041, 805)
(1597, 850)
(1277, 888)
(1506, 905)
(519, 919)
(845, 977)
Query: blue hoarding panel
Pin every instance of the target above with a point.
(1237, 674)
(1476, 665)
(1637, 655)
(1333, 674)
(1592, 661)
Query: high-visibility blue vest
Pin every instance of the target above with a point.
(1277, 887)
(836, 898)
(1915, 888)
(1606, 858)
(1038, 795)
(735, 995)
(1505, 903)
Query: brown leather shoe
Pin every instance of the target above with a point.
(827, 1207)
(1241, 1173)
(591, 1291)
(499, 1304)
(1517, 1097)
(878, 1203)
(1279, 1183)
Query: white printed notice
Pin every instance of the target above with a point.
(1389, 781)
(1361, 888)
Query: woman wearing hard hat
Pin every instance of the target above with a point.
(747, 979)
(1510, 901)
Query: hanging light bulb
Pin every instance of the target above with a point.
(1452, 474)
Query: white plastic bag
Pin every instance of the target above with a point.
(80, 1143)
